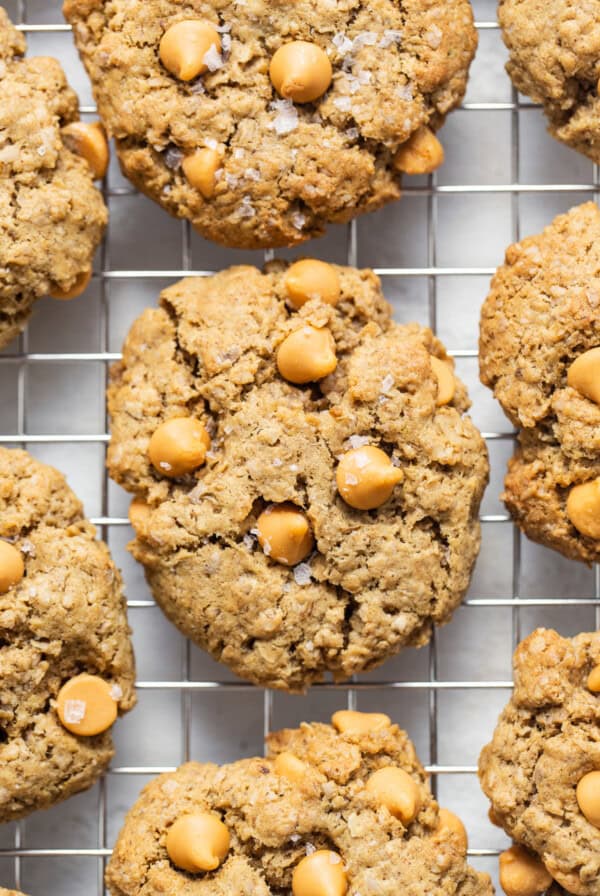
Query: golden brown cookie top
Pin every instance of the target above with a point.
(260, 128)
(43, 252)
(302, 817)
(539, 771)
(554, 49)
(540, 353)
(66, 662)
(328, 523)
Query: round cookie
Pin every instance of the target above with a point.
(51, 216)
(540, 334)
(246, 164)
(66, 664)
(371, 580)
(312, 793)
(4, 892)
(554, 48)
(545, 742)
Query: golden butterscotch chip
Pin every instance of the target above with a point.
(422, 154)
(307, 355)
(178, 446)
(366, 477)
(320, 874)
(138, 514)
(448, 821)
(522, 873)
(588, 797)
(88, 140)
(593, 681)
(289, 766)
(284, 533)
(184, 46)
(445, 380)
(80, 285)
(397, 791)
(583, 508)
(300, 71)
(12, 568)
(312, 279)
(584, 374)
(87, 705)
(349, 721)
(197, 842)
(200, 168)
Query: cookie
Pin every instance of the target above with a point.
(307, 481)
(10, 892)
(66, 664)
(554, 48)
(540, 354)
(540, 770)
(261, 125)
(51, 216)
(336, 809)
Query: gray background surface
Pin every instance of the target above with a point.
(504, 176)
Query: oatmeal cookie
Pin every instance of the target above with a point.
(540, 354)
(540, 771)
(341, 808)
(66, 664)
(307, 481)
(554, 48)
(51, 216)
(260, 125)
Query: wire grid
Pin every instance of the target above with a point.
(430, 684)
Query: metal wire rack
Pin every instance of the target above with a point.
(29, 854)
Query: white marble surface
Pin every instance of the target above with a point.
(473, 229)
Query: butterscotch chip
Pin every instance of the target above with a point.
(309, 279)
(536, 770)
(67, 661)
(422, 154)
(88, 140)
(250, 549)
(593, 682)
(538, 324)
(200, 169)
(12, 568)
(313, 103)
(48, 235)
(86, 705)
(178, 446)
(73, 292)
(395, 789)
(268, 833)
(198, 842)
(522, 874)
(451, 822)
(348, 721)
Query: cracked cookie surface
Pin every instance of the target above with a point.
(378, 580)
(274, 822)
(546, 740)
(284, 169)
(66, 616)
(51, 215)
(541, 315)
(554, 48)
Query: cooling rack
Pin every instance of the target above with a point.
(435, 252)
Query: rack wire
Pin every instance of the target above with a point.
(364, 690)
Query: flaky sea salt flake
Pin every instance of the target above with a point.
(286, 116)
(390, 36)
(302, 576)
(74, 711)
(212, 59)
(387, 384)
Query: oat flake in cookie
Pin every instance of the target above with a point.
(540, 771)
(554, 48)
(308, 819)
(66, 664)
(307, 481)
(51, 215)
(261, 122)
(540, 353)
